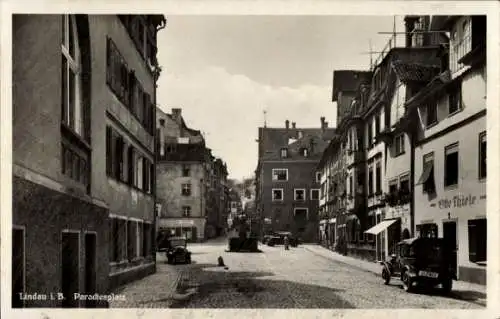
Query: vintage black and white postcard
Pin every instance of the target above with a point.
(250, 158)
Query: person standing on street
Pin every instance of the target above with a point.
(287, 243)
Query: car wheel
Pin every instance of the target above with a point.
(386, 276)
(407, 282)
(447, 285)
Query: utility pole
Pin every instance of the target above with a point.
(265, 118)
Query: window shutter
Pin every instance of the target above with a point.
(109, 62)
(472, 240)
(131, 167)
(152, 177)
(109, 153)
(131, 89)
(145, 173)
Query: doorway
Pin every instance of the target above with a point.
(90, 267)
(70, 278)
(450, 240)
(18, 267)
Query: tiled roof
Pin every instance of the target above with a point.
(273, 139)
(414, 72)
(348, 80)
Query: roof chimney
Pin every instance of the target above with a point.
(293, 124)
(176, 114)
(322, 121)
(287, 124)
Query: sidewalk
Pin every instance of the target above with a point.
(459, 287)
(154, 291)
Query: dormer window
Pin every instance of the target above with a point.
(284, 153)
(304, 152)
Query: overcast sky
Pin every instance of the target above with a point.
(223, 71)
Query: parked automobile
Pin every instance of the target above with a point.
(162, 241)
(177, 251)
(422, 262)
(266, 238)
(278, 238)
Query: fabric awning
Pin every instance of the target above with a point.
(324, 221)
(426, 172)
(332, 220)
(375, 230)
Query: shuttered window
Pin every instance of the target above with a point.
(109, 153)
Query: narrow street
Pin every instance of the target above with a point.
(275, 278)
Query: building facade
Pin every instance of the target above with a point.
(450, 150)
(182, 177)
(287, 178)
(66, 198)
(219, 193)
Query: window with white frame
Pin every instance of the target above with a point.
(72, 109)
(277, 194)
(280, 174)
(455, 99)
(314, 194)
(299, 194)
(431, 113)
(460, 42)
(186, 211)
(284, 153)
(399, 144)
(186, 189)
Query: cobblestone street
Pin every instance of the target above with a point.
(308, 276)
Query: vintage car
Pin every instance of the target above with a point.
(162, 241)
(177, 251)
(278, 238)
(423, 262)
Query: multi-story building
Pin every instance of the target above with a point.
(235, 205)
(332, 201)
(400, 70)
(182, 177)
(219, 185)
(341, 158)
(448, 118)
(82, 202)
(288, 179)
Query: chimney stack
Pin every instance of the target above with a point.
(293, 124)
(287, 124)
(176, 114)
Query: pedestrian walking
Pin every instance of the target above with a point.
(287, 243)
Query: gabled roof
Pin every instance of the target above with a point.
(272, 140)
(414, 72)
(348, 81)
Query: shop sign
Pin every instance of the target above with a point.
(457, 201)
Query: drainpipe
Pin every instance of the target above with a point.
(412, 180)
(156, 75)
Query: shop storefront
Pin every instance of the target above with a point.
(191, 229)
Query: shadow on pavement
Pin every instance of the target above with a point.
(475, 297)
(219, 288)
